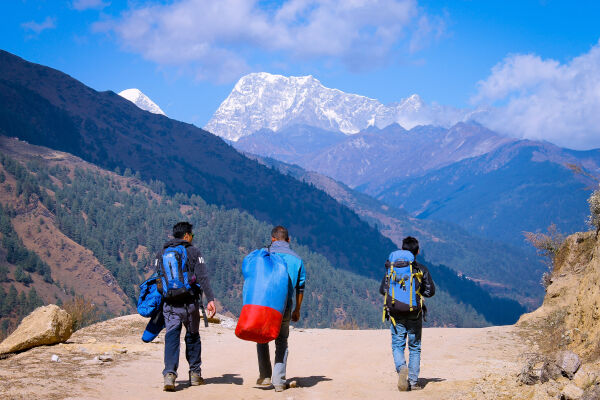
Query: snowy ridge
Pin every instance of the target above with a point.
(141, 100)
(262, 100)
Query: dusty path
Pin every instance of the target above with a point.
(326, 363)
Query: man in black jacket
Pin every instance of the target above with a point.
(185, 310)
(408, 324)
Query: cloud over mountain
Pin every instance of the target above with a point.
(218, 38)
(545, 99)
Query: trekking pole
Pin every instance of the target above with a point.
(204, 315)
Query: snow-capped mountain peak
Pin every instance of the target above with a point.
(262, 100)
(141, 100)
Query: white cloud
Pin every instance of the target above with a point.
(219, 38)
(544, 99)
(38, 27)
(81, 5)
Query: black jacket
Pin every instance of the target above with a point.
(195, 265)
(427, 289)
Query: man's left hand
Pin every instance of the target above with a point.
(212, 309)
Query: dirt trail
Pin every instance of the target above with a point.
(326, 363)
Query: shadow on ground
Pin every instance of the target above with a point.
(301, 382)
(309, 381)
(424, 381)
(226, 379)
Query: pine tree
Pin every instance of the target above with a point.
(22, 276)
(11, 299)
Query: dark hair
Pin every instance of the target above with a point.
(411, 244)
(181, 228)
(280, 233)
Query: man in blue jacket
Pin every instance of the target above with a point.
(280, 245)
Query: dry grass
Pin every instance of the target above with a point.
(548, 246)
(347, 324)
(548, 332)
(82, 311)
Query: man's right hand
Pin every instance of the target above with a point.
(212, 309)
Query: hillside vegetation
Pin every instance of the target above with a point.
(122, 222)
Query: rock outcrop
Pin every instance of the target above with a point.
(44, 326)
(570, 315)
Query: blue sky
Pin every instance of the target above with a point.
(187, 54)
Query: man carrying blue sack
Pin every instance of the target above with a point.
(182, 273)
(404, 286)
(280, 245)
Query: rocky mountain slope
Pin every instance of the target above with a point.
(466, 175)
(292, 143)
(74, 268)
(262, 100)
(569, 316)
(374, 157)
(520, 186)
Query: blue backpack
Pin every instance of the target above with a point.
(174, 274)
(402, 285)
(150, 299)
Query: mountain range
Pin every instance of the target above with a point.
(262, 100)
(374, 160)
(373, 157)
(520, 186)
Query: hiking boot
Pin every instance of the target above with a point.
(196, 379)
(416, 386)
(279, 388)
(263, 381)
(169, 382)
(403, 385)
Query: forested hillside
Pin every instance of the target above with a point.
(123, 221)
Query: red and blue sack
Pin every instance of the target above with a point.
(265, 295)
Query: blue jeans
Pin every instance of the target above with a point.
(277, 375)
(187, 315)
(410, 328)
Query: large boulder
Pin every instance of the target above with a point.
(44, 326)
